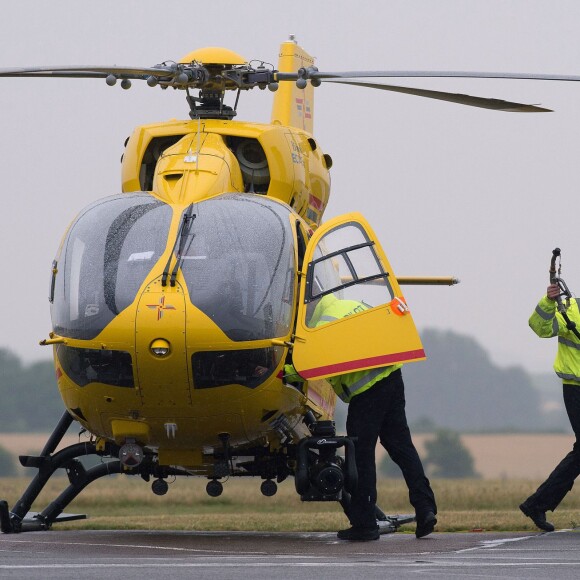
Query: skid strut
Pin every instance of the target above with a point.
(20, 519)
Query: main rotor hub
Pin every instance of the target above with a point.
(213, 55)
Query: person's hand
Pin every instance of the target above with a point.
(553, 291)
(259, 371)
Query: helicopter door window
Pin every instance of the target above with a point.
(108, 252)
(346, 265)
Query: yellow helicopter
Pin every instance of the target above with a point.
(177, 304)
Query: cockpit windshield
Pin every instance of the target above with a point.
(239, 267)
(106, 255)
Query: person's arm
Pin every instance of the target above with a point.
(290, 374)
(543, 320)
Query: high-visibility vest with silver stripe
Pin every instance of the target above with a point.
(348, 385)
(547, 322)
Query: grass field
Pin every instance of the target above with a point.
(122, 502)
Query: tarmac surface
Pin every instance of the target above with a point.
(256, 555)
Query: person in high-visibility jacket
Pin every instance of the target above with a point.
(376, 410)
(546, 322)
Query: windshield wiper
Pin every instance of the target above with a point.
(182, 243)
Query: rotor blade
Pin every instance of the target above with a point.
(84, 71)
(484, 103)
(441, 74)
(427, 280)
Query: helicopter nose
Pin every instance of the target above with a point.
(160, 346)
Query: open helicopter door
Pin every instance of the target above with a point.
(344, 261)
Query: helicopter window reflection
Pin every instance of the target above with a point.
(249, 368)
(346, 265)
(108, 252)
(85, 366)
(239, 268)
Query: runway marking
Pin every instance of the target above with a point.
(149, 547)
(329, 564)
(493, 544)
(490, 544)
(22, 552)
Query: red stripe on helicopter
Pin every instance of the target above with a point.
(355, 365)
(315, 202)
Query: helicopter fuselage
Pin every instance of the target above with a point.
(186, 310)
(220, 298)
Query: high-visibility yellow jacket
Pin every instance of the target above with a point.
(348, 385)
(547, 322)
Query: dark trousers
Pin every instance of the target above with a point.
(380, 413)
(560, 481)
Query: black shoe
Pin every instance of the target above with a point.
(425, 525)
(538, 517)
(355, 534)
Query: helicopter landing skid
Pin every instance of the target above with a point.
(387, 524)
(20, 518)
(32, 521)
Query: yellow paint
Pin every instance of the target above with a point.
(213, 55)
(294, 107)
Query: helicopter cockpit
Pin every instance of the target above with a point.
(239, 277)
(237, 262)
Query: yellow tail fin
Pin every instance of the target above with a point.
(294, 106)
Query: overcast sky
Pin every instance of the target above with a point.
(478, 194)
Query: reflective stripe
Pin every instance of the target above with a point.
(555, 327)
(568, 377)
(327, 319)
(569, 343)
(543, 314)
(345, 393)
(350, 391)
